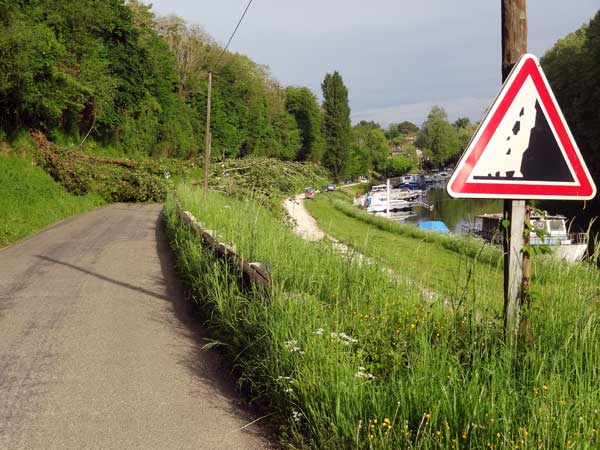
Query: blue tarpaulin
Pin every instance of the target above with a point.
(434, 225)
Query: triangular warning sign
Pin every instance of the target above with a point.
(523, 148)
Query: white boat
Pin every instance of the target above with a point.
(377, 200)
(552, 230)
(412, 180)
(379, 204)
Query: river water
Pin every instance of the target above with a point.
(454, 213)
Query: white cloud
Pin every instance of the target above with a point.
(389, 52)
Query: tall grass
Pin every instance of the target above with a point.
(345, 356)
(31, 200)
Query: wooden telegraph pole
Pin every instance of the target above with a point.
(207, 137)
(514, 45)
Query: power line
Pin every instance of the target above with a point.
(233, 34)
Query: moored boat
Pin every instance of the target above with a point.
(550, 230)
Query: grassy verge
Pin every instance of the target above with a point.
(461, 268)
(345, 357)
(31, 200)
(458, 270)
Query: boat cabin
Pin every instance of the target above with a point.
(553, 229)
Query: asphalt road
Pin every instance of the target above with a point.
(99, 350)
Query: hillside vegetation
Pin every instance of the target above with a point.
(572, 66)
(42, 182)
(31, 200)
(112, 70)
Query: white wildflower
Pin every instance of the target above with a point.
(343, 338)
(362, 373)
(319, 331)
(297, 416)
(292, 346)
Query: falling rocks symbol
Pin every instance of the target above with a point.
(543, 160)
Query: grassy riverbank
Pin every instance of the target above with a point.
(346, 356)
(457, 270)
(460, 268)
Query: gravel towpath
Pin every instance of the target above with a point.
(306, 225)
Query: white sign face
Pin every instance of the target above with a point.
(523, 147)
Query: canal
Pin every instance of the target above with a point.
(455, 213)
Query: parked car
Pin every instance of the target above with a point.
(331, 187)
(309, 193)
(363, 180)
(323, 188)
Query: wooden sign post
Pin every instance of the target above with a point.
(522, 150)
(514, 45)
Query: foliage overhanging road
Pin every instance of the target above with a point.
(98, 349)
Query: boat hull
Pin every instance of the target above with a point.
(570, 252)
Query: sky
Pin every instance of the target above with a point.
(398, 58)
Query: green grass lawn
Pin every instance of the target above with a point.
(31, 200)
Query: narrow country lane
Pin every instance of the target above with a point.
(99, 350)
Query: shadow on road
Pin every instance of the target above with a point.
(207, 365)
(104, 278)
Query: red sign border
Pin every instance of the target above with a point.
(459, 187)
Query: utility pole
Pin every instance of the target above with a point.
(207, 137)
(514, 45)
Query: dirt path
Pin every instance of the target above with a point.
(98, 347)
(306, 225)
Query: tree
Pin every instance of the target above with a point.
(405, 128)
(438, 138)
(573, 69)
(336, 124)
(462, 122)
(111, 70)
(370, 124)
(464, 135)
(302, 104)
(368, 149)
(396, 166)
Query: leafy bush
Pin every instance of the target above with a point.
(268, 180)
